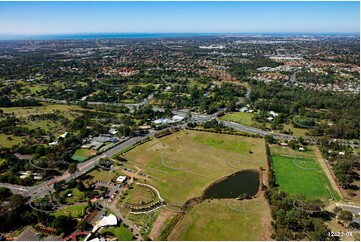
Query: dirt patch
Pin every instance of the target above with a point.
(158, 224)
(327, 170)
(266, 219)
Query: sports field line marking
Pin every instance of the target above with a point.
(305, 168)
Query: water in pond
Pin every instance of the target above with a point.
(235, 185)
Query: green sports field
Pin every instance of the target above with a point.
(83, 154)
(301, 175)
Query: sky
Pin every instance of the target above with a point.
(178, 17)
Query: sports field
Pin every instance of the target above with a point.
(83, 154)
(301, 173)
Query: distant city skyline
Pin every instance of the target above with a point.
(49, 18)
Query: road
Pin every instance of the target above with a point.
(128, 105)
(293, 76)
(45, 187)
(134, 230)
(353, 209)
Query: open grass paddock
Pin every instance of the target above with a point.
(194, 158)
(182, 165)
(239, 117)
(225, 220)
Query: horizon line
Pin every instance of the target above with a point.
(79, 35)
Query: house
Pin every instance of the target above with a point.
(145, 127)
(341, 153)
(270, 119)
(64, 135)
(177, 118)
(161, 121)
(25, 174)
(284, 144)
(273, 113)
(53, 143)
(92, 145)
(244, 110)
(113, 131)
(301, 149)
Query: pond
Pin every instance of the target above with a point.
(235, 185)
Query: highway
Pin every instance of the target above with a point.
(44, 188)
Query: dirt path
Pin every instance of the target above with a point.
(328, 172)
(158, 224)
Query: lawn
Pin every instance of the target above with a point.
(139, 194)
(239, 117)
(77, 196)
(8, 141)
(102, 175)
(122, 233)
(300, 175)
(182, 165)
(46, 125)
(75, 211)
(194, 158)
(26, 111)
(287, 151)
(225, 220)
(83, 154)
(296, 131)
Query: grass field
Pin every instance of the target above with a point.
(194, 158)
(287, 151)
(83, 154)
(75, 211)
(26, 111)
(46, 125)
(215, 220)
(239, 117)
(296, 131)
(77, 196)
(122, 233)
(102, 175)
(8, 141)
(302, 175)
(183, 165)
(139, 194)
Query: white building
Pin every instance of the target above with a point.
(121, 179)
(244, 110)
(273, 113)
(54, 143)
(177, 118)
(64, 135)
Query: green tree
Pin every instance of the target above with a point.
(345, 216)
